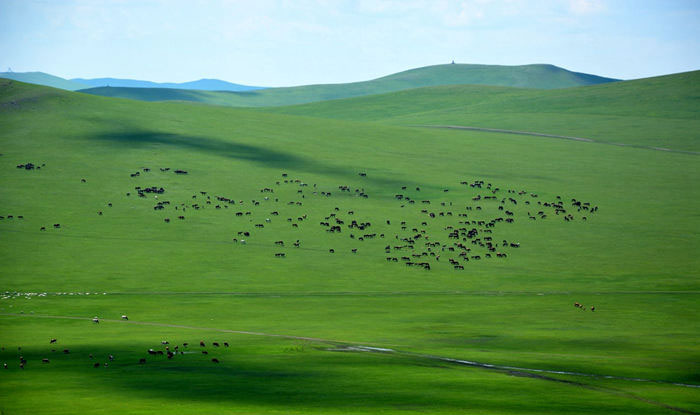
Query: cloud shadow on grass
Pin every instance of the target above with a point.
(268, 157)
(294, 381)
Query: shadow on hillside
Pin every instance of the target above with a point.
(246, 152)
(208, 145)
(283, 381)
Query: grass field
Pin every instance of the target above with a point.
(660, 111)
(524, 76)
(345, 332)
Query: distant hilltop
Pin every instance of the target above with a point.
(41, 78)
(202, 84)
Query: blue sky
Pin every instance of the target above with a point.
(294, 42)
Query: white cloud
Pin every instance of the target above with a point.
(583, 7)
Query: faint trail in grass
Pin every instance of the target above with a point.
(564, 137)
(178, 326)
(385, 293)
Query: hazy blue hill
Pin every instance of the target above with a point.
(202, 84)
(41, 78)
(149, 94)
(526, 76)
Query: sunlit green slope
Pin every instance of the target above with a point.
(187, 280)
(661, 111)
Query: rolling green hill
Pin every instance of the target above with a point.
(41, 78)
(526, 76)
(661, 111)
(333, 327)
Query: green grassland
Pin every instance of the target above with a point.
(660, 111)
(525, 76)
(292, 321)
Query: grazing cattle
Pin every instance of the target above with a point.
(205, 352)
(44, 360)
(164, 342)
(55, 225)
(151, 351)
(83, 180)
(216, 344)
(215, 360)
(142, 361)
(97, 364)
(96, 320)
(66, 351)
(226, 344)
(111, 358)
(43, 228)
(124, 317)
(332, 251)
(592, 308)
(201, 344)
(52, 341)
(4, 365)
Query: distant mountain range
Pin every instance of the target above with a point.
(41, 78)
(217, 92)
(525, 76)
(202, 84)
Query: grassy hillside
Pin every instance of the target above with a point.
(41, 78)
(661, 111)
(526, 76)
(295, 324)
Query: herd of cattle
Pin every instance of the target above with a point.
(165, 350)
(455, 231)
(30, 166)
